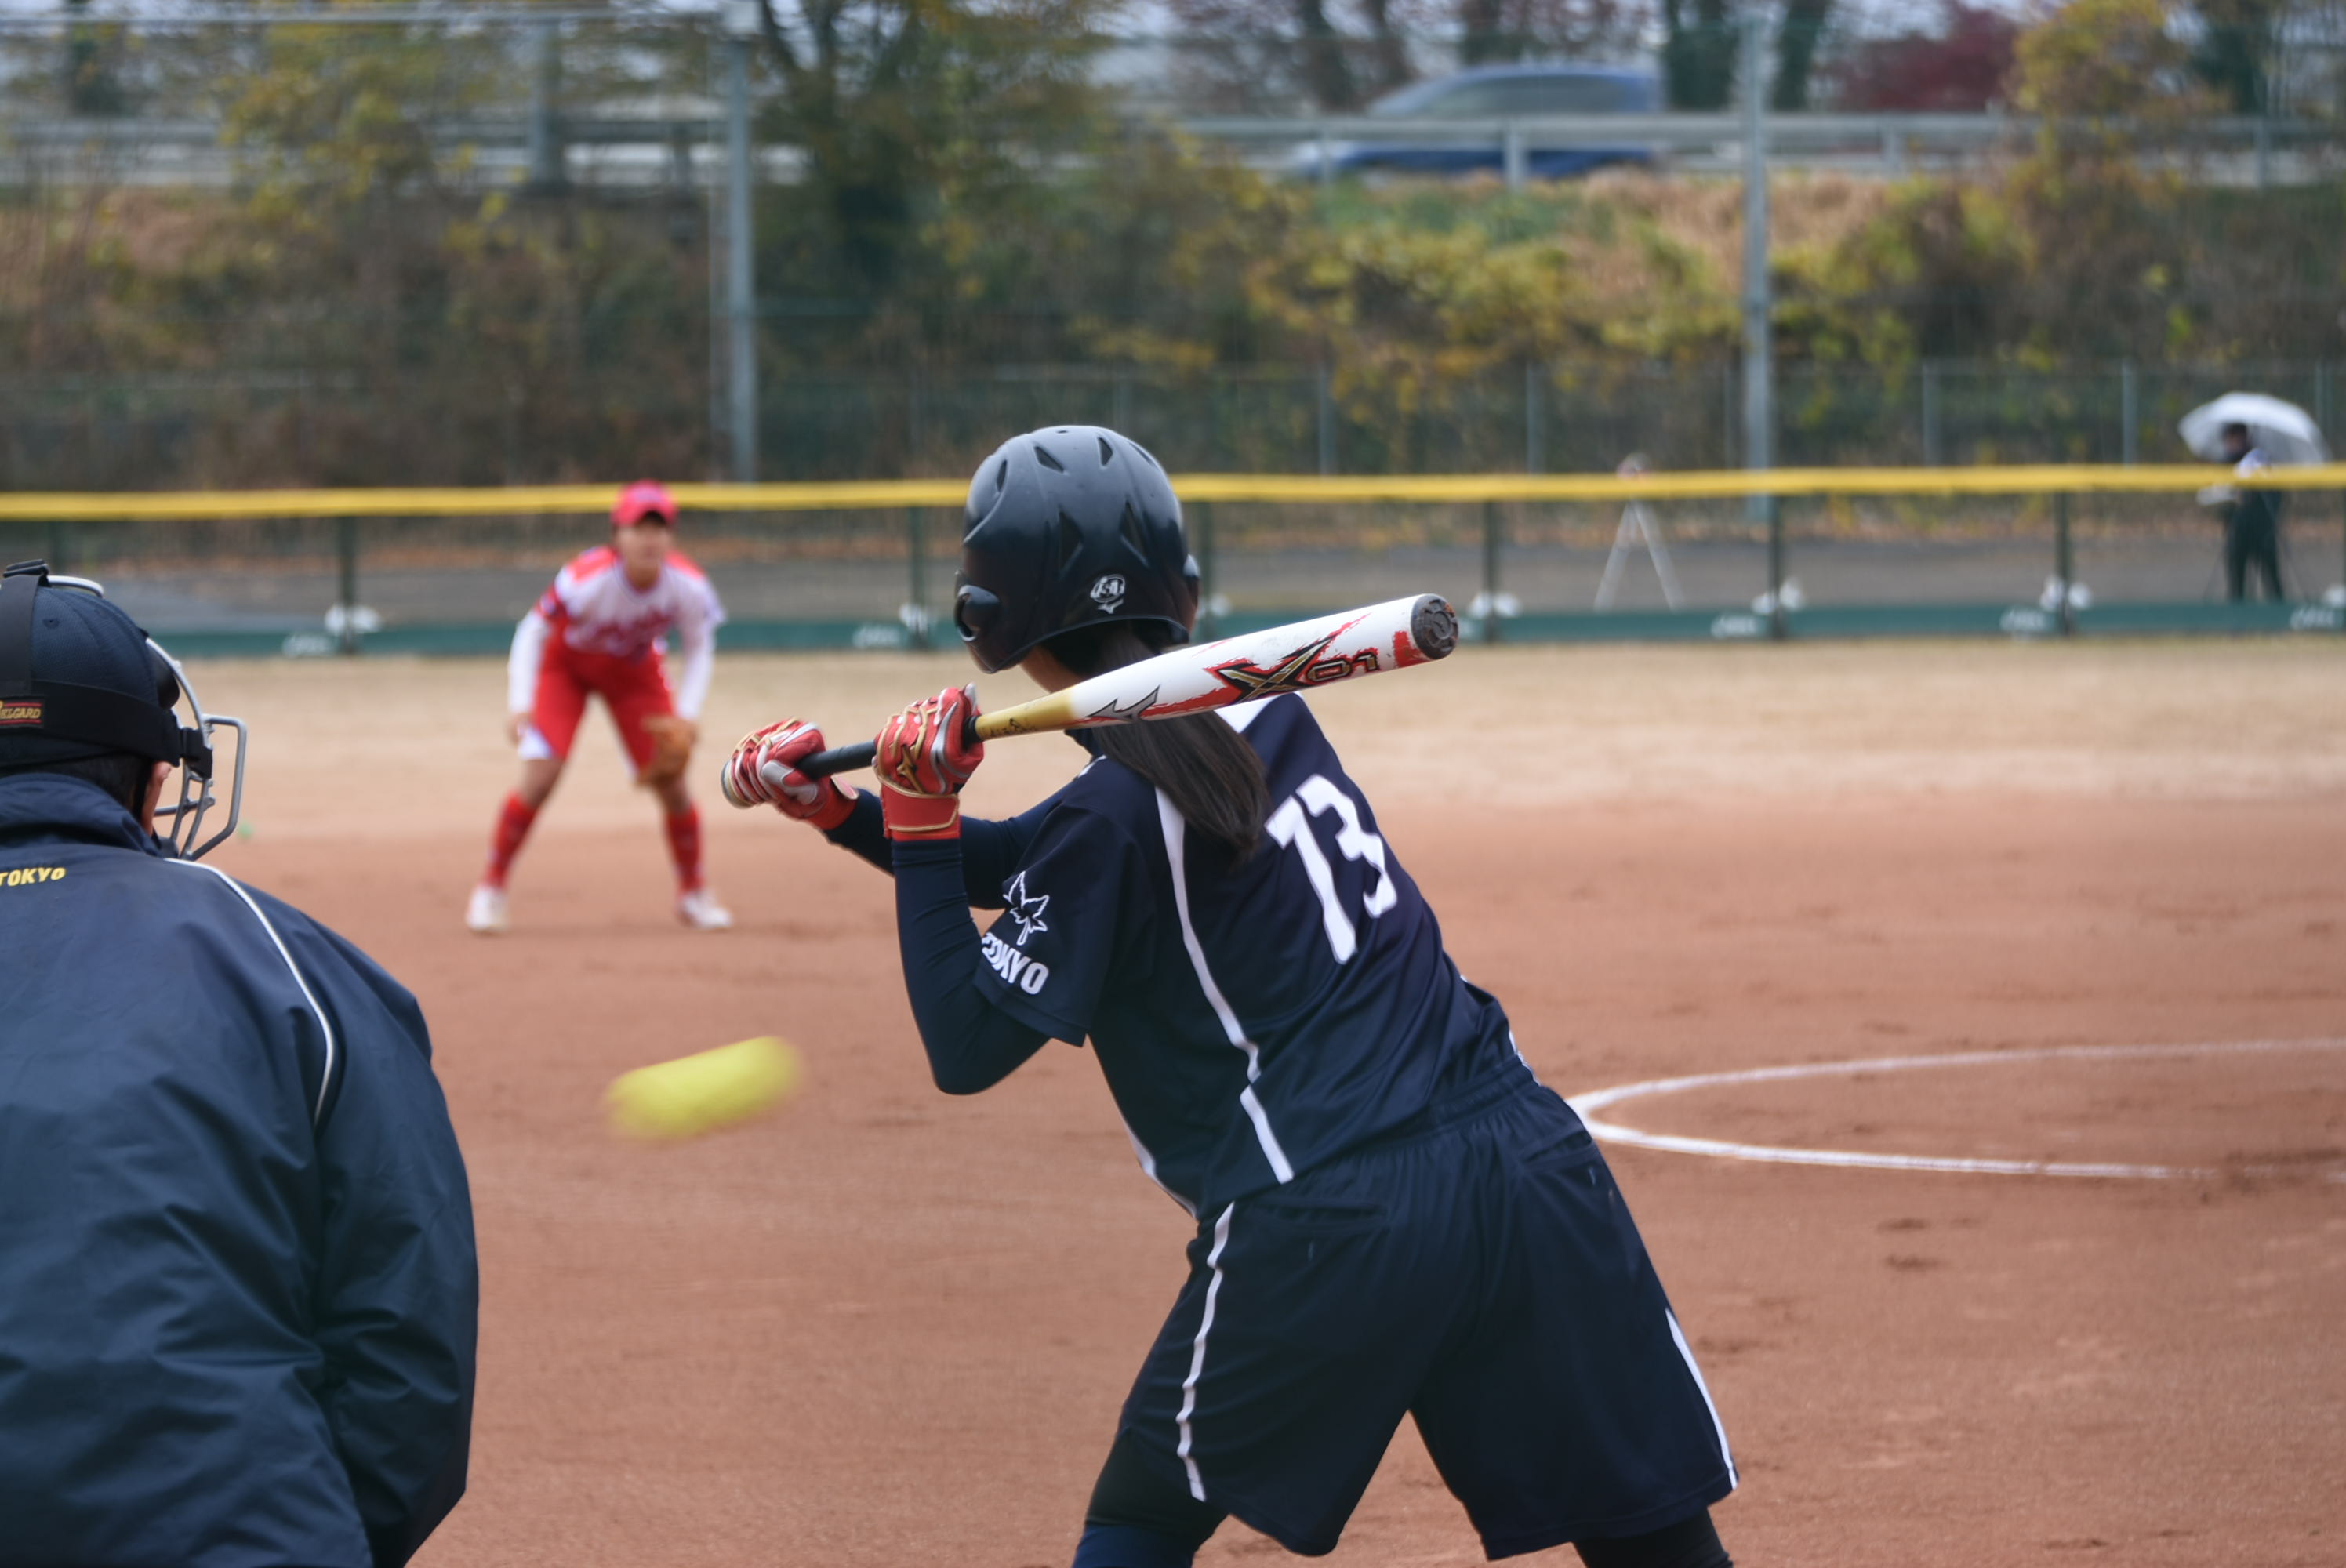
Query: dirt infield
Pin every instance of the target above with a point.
(888, 1327)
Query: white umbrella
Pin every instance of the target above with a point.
(2283, 432)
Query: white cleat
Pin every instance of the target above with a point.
(700, 910)
(485, 912)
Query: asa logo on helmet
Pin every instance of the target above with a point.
(1108, 592)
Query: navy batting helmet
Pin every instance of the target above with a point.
(80, 678)
(1067, 527)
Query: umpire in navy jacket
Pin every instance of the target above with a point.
(237, 1280)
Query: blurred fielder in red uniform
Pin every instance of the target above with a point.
(602, 628)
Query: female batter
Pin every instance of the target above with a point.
(1394, 1216)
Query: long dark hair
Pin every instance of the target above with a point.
(1206, 769)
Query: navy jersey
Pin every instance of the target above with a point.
(1254, 1018)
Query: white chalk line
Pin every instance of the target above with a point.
(1768, 1154)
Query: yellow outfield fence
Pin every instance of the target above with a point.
(545, 500)
(868, 563)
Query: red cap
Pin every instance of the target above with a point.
(641, 500)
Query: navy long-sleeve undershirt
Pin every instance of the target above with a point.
(972, 1044)
(990, 850)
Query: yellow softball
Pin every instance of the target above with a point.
(699, 1092)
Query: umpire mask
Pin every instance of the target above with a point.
(80, 678)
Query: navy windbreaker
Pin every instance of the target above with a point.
(238, 1289)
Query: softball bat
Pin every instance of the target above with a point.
(700, 1093)
(1198, 678)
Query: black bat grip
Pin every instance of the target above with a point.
(838, 760)
(847, 759)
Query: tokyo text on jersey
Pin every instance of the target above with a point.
(1252, 1021)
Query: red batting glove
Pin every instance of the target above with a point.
(760, 773)
(924, 756)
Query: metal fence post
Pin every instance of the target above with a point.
(1491, 577)
(1325, 409)
(2129, 414)
(2064, 562)
(1514, 154)
(917, 556)
(346, 572)
(1931, 457)
(1535, 418)
(1779, 627)
(60, 546)
(1204, 513)
(1728, 386)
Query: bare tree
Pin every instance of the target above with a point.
(890, 98)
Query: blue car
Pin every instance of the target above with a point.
(1492, 93)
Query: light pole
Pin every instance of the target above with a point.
(547, 168)
(740, 20)
(1759, 344)
(1759, 349)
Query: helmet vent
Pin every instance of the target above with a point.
(1043, 455)
(1130, 529)
(1002, 474)
(1108, 453)
(1069, 540)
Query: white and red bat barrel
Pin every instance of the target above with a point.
(1201, 678)
(1255, 665)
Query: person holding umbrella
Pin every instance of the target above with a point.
(2252, 433)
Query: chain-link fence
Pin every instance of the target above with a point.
(78, 433)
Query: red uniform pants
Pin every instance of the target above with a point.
(634, 688)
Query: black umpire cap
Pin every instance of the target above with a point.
(80, 678)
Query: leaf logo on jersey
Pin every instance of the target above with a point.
(1310, 664)
(1026, 910)
(1107, 592)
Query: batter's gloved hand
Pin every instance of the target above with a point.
(673, 736)
(762, 772)
(924, 756)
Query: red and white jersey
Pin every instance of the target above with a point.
(595, 609)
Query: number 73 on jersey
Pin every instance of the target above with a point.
(1290, 826)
